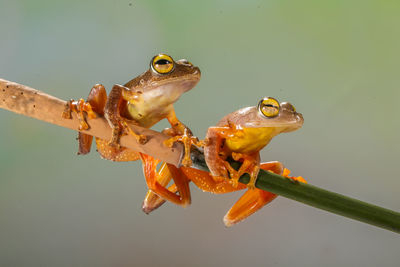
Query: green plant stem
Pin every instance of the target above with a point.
(318, 197)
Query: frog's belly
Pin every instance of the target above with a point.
(147, 115)
(249, 140)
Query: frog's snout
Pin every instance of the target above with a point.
(196, 71)
(299, 118)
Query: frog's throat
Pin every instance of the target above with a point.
(248, 140)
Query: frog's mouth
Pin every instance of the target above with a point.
(169, 91)
(293, 125)
(289, 124)
(180, 84)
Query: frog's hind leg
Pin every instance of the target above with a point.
(213, 184)
(253, 199)
(153, 182)
(96, 100)
(115, 153)
(152, 201)
(202, 179)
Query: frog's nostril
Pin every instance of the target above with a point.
(300, 118)
(184, 62)
(288, 106)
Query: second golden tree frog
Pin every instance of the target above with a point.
(240, 135)
(243, 133)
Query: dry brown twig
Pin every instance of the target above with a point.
(30, 102)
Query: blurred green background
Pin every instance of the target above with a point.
(336, 61)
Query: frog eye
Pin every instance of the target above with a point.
(162, 64)
(269, 107)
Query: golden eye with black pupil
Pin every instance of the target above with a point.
(162, 64)
(269, 107)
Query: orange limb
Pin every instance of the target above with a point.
(206, 182)
(201, 179)
(249, 203)
(79, 107)
(97, 100)
(115, 153)
(300, 179)
(217, 151)
(115, 103)
(152, 201)
(181, 134)
(252, 200)
(250, 165)
(153, 178)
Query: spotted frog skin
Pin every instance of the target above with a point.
(240, 135)
(144, 101)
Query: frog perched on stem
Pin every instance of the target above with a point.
(144, 100)
(239, 135)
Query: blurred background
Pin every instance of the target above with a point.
(336, 61)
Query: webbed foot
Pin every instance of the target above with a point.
(297, 179)
(249, 165)
(79, 107)
(188, 140)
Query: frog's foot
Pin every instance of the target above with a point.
(249, 165)
(121, 128)
(249, 203)
(157, 180)
(252, 200)
(188, 140)
(203, 143)
(79, 107)
(67, 110)
(253, 177)
(233, 174)
(153, 201)
(140, 138)
(97, 99)
(300, 179)
(115, 136)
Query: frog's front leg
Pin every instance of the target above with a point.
(181, 133)
(214, 151)
(217, 154)
(118, 96)
(93, 106)
(97, 100)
